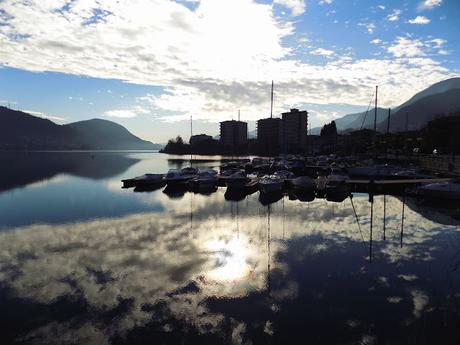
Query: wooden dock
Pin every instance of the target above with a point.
(400, 182)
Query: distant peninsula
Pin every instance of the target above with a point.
(23, 131)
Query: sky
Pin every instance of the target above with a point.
(150, 65)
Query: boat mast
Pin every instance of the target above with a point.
(191, 134)
(375, 110)
(271, 106)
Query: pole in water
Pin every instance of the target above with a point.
(370, 240)
(384, 215)
(402, 220)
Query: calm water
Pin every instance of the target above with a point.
(83, 261)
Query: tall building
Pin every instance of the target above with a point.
(294, 131)
(269, 135)
(233, 133)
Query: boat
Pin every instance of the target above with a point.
(412, 174)
(441, 190)
(374, 172)
(271, 184)
(336, 184)
(143, 181)
(303, 184)
(321, 182)
(177, 177)
(237, 180)
(189, 171)
(206, 180)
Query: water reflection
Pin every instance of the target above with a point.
(212, 271)
(23, 168)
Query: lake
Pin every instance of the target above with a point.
(83, 261)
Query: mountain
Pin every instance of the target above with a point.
(108, 135)
(423, 110)
(441, 87)
(22, 131)
(354, 121)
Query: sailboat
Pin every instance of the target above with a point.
(375, 171)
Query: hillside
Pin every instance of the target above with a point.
(22, 131)
(422, 111)
(103, 135)
(354, 121)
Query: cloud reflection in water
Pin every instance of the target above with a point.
(199, 269)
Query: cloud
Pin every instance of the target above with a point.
(376, 41)
(126, 113)
(419, 20)
(381, 7)
(297, 7)
(429, 4)
(369, 26)
(394, 16)
(209, 61)
(322, 2)
(322, 52)
(406, 47)
(44, 115)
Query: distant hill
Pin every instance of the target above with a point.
(441, 87)
(422, 111)
(354, 121)
(22, 131)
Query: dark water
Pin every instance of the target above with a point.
(83, 261)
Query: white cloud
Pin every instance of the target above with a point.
(126, 113)
(394, 16)
(297, 7)
(370, 27)
(406, 47)
(209, 61)
(381, 7)
(322, 52)
(421, 20)
(44, 115)
(429, 4)
(376, 41)
(322, 2)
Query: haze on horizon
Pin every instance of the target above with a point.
(151, 64)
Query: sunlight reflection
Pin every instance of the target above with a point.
(231, 260)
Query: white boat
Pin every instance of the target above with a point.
(440, 190)
(271, 184)
(177, 177)
(143, 180)
(303, 184)
(236, 180)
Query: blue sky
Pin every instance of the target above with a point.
(151, 64)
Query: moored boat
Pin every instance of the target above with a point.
(441, 190)
(271, 184)
(303, 184)
(237, 180)
(143, 181)
(177, 177)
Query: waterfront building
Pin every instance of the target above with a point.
(294, 131)
(233, 133)
(269, 135)
(199, 138)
